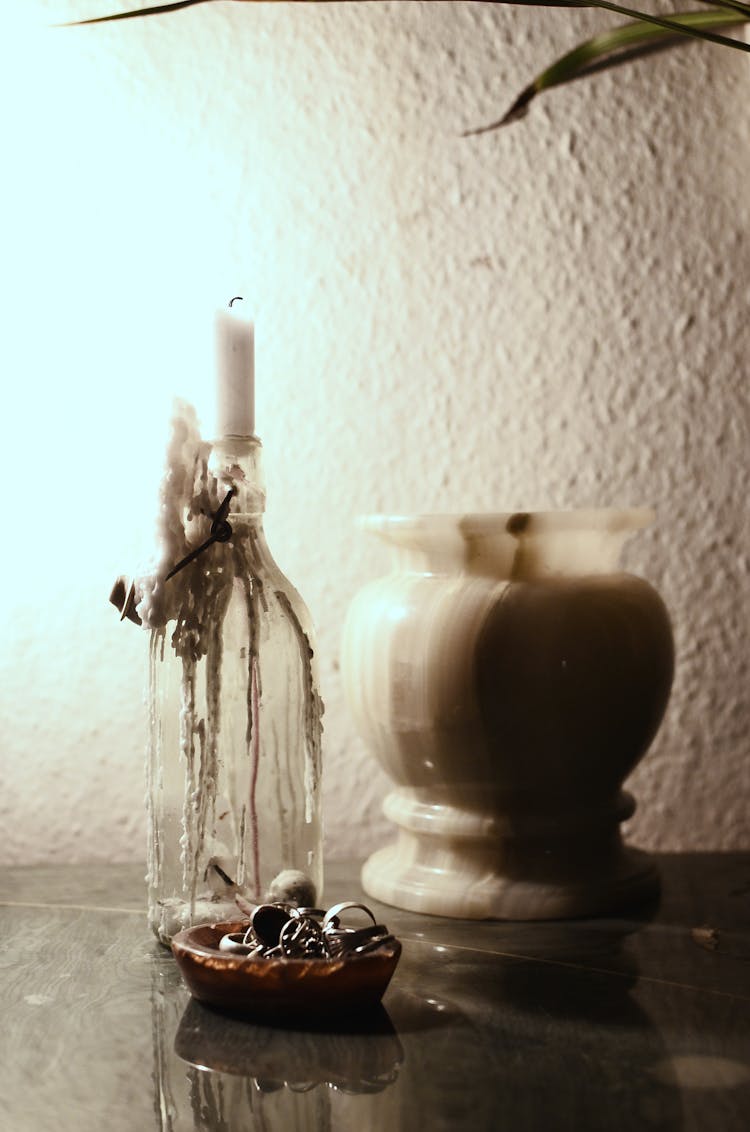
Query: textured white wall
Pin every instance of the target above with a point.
(555, 315)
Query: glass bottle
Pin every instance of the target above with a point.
(234, 760)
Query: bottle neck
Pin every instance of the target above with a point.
(237, 461)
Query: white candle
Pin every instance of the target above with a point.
(235, 371)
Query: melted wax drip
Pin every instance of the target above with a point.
(313, 708)
(254, 744)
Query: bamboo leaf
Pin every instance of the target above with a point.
(662, 21)
(645, 32)
(156, 10)
(610, 46)
(670, 22)
(733, 5)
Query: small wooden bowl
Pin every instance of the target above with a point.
(281, 989)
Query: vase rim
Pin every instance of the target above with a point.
(515, 523)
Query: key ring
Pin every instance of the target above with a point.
(301, 937)
(333, 915)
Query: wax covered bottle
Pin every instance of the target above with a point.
(235, 715)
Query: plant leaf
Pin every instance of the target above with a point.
(156, 10)
(734, 5)
(671, 22)
(662, 21)
(627, 40)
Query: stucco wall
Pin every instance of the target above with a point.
(554, 315)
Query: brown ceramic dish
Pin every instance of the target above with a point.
(309, 989)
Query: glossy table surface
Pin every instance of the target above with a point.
(630, 1023)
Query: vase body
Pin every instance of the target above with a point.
(508, 678)
(235, 726)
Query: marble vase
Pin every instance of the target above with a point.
(508, 677)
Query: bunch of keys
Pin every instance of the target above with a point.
(286, 932)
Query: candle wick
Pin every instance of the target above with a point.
(235, 299)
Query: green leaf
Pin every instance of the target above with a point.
(682, 27)
(156, 10)
(670, 22)
(734, 5)
(661, 20)
(610, 47)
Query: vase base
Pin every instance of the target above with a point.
(459, 889)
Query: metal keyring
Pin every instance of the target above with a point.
(353, 941)
(331, 918)
(300, 938)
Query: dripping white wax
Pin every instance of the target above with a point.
(235, 372)
(188, 494)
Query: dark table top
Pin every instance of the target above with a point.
(630, 1023)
